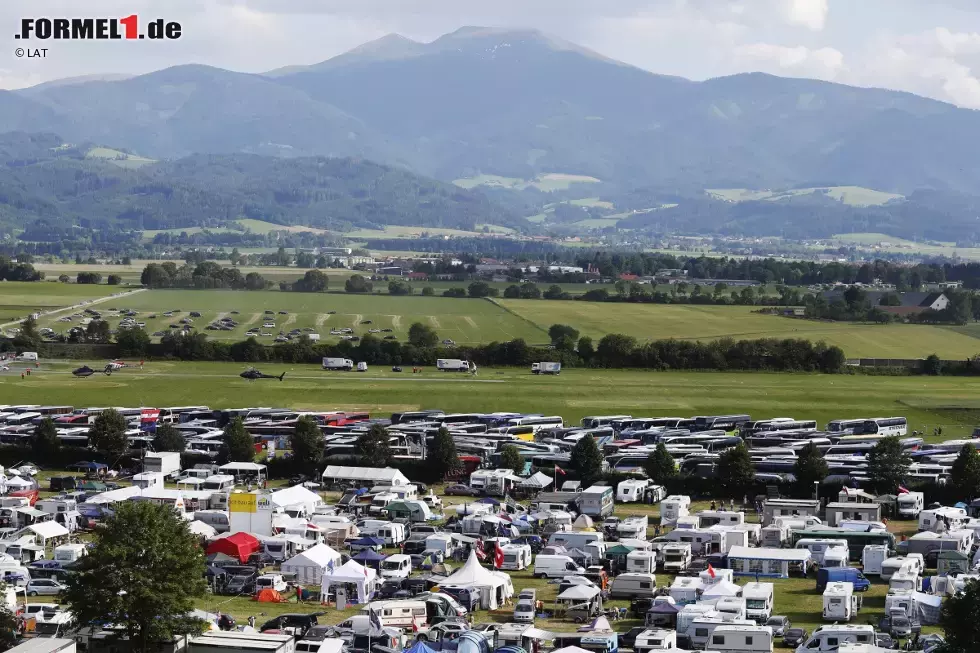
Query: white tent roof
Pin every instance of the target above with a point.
(242, 467)
(386, 475)
(112, 496)
(319, 556)
(570, 649)
(582, 521)
(16, 481)
(537, 480)
(472, 573)
(294, 496)
(48, 529)
(350, 572)
(720, 589)
(579, 593)
(200, 528)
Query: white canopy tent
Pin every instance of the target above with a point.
(204, 530)
(719, 590)
(310, 565)
(537, 481)
(579, 593)
(45, 531)
(352, 573)
(495, 586)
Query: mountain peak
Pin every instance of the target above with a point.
(483, 36)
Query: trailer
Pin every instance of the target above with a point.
(162, 462)
(452, 365)
(546, 368)
(345, 364)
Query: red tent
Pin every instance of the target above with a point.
(239, 545)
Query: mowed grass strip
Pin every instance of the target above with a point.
(465, 321)
(687, 322)
(572, 395)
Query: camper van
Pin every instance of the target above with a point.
(397, 613)
(633, 586)
(872, 558)
(905, 580)
(641, 562)
(686, 590)
(216, 519)
(701, 629)
(571, 540)
(758, 601)
(633, 528)
(839, 602)
(731, 608)
(555, 566)
(825, 552)
(827, 639)
(732, 638)
(516, 557)
(655, 639)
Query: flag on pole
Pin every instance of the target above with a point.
(559, 470)
(481, 553)
(902, 489)
(711, 571)
(375, 620)
(498, 555)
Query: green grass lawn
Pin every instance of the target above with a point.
(18, 299)
(462, 320)
(926, 401)
(692, 322)
(850, 195)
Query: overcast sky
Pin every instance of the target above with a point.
(929, 47)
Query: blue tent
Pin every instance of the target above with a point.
(369, 555)
(419, 647)
(490, 500)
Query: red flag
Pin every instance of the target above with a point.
(711, 571)
(498, 556)
(559, 470)
(415, 625)
(902, 489)
(481, 553)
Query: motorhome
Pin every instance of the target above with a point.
(905, 580)
(732, 608)
(686, 590)
(643, 562)
(827, 639)
(960, 540)
(953, 518)
(217, 519)
(839, 602)
(914, 563)
(910, 504)
(738, 638)
(633, 586)
(859, 525)
(758, 601)
(655, 639)
(700, 631)
(597, 501)
(710, 518)
(633, 527)
(676, 556)
(574, 540)
(674, 507)
(404, 614)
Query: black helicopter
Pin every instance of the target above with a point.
(251, 374)
(86, 371)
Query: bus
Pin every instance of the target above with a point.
(750, 428)
(596, 421)
(844, 426)
(856, 540)
(797, 425)
(537, 422)
(723, 422)
(886, 426)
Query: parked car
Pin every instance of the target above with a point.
(396, 369)
(43, 587)
(628, 639)
(460, 490)
(793, 637)
(899, 626)
(779, 625)
(884, 640)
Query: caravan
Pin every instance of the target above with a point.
(827, 639)
(732, 638)
(674, 507)
(758, 601)
(839, 602)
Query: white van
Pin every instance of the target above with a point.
(633, 586)
(839, 602)
(827, 639)
(872, 558)
(216, 519)
(758, 601)
(912, 562)
(516, 556)
(555, 566)
(396, 566)
(731, 638)
(392, 533)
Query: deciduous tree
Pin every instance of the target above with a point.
(143, 574)
(239, 446)
(511, 459)
(810, 468)
(660, 465)
(306, 444)
(108, 433)
(441, 458)
(734, 471)
(372, 447)
(586, 460)
(888, 464)
(45, 442)
(167, 438)
(965, 473)
(422, 335)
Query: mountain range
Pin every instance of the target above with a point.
(518, 103)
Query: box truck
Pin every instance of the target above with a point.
(546, 368)
(345, 364)
(452, 365)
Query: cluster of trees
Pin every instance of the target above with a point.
(358, 284)
(311, 281)
(11, 270)
(611, 351)
(88, 278)
(206, 274)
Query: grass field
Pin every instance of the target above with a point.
(394, 231)
(928, 402)
(20, 299)
(468, 321)
(655, 321)
(121, 159)
(850, 195)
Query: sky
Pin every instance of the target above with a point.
(927, 47)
